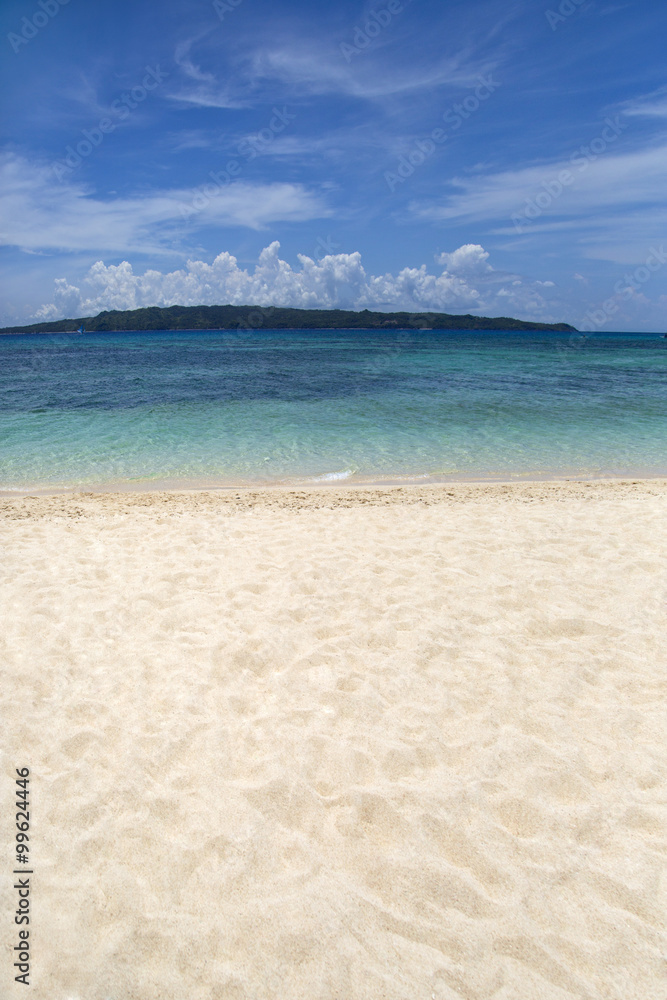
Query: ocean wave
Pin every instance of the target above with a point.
(330, 477)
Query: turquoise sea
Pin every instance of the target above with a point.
(266, 407)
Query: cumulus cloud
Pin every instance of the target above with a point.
(466, 281)
(470, 259)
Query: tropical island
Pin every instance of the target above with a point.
(274, 318)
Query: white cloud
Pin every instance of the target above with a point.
(466, 281)
(200, 87)
(469, 259)
(653, 105)
(612, 203)
(40, 213)
(313, 69)
(275, 66)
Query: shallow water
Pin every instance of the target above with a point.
(266, 406)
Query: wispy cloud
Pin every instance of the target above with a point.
(195, 139)
(653, 105)
(39, 213)
(276, 64)
(315, 69)
(198, 87)
(601, 191)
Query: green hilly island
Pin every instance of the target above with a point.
(272, 318)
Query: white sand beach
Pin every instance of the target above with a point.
(358, 744)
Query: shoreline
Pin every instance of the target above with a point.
(331, 483)
(327, 481)
(334, 495)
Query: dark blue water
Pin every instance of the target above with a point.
(277, 406)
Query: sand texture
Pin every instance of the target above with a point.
(379, 744)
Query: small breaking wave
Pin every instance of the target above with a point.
(331, 477)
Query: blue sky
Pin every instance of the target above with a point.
(500, 158)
